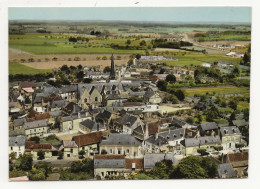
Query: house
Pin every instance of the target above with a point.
(90, 95)
(71, 123)
(69, 149)
(105, 165)
(230, 136)
(152, 97)
(225, 170)
(27, 84)
(208, 129)
(116, 165)
(89, 142)
(189, 146)
(36, 128)
(121, 144)
(151, 159)
(71, 107)
(173, 137)
(155, 143)
(104, 117)
(19, 123)
(239, 162)
(17, 145)
(181, 124)
(206, 65)
(69, 93)
(127, 123)
(58, 105)
(32, 148)
(89, 126)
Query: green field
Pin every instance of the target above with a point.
(58, 44)
(198, 59)
(242, 105)
(224, 36)
(17, 68)
(217, 90)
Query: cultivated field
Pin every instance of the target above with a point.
(198, 59)
(217, 90)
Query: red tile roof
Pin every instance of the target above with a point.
(88, 139)
(153, 127)
(139, 163)
(32, 146)
(130, 104)
(109, 157)
(240, 156)
(27, 84)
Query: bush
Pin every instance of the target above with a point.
(37, 174)
(41, 155)
(202, 151)
(218, 148)
(190, 120)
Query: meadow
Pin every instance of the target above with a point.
(198, 59)
(17, 68)
(217, 90)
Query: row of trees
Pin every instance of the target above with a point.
(29, 77)
(191, 167)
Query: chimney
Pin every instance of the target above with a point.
(156, 136)
(169, 130)
(74, 108)
(146, 132)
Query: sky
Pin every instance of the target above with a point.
(167, 14)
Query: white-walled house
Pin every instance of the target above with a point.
(17, 145)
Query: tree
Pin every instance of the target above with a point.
(163, 169)
(103, 151)
(41, 155)
(35, 138)
(128, 42)
(64, 68)
(37, 174)
(180, 94)
(24, 162)
(218, 147)
(162, 85)
(202, 151)
(44, 165)
(233, 104)
(77, 58)
(239, 145)
(82, 153)
(80, 75)
(79, 67)
(174, 99)
(104, 58)
(190, 120)
(162, 71)
(142, 43)
(193, 167)
(107, 69)
(12, 156)
(171, 78)
(138, 56)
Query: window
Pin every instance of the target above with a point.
(127, 151)
(118, 151)
(19, 148)
(133, 166)
(96, 99)
(68, 155)
(102, 173)
(71, 150)
(11, 148)
(111, 151)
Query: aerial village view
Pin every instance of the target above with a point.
(114, 98)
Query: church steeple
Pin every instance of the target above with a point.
(112, 69)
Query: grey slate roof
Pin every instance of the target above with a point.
(109, 163)
(227, 170)
(17, 141)
(240, 122)
(92, 125)
(151, 159)
(229, 130)
(209, 126)
(58, 103)
(190, 142)
(160, 141)
(171, 135)
(138, 93)
(19, 122)
(68, 89)
(120, 139)
(105, 115)
(149, 93)
(127, 119)
(35, 124)
(56, 113)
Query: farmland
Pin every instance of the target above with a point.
(197, 59)
(217, 90)
(17, 68)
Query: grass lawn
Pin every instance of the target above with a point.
(17, 68)
(198, 59)
(217, 90)
(242, 105)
